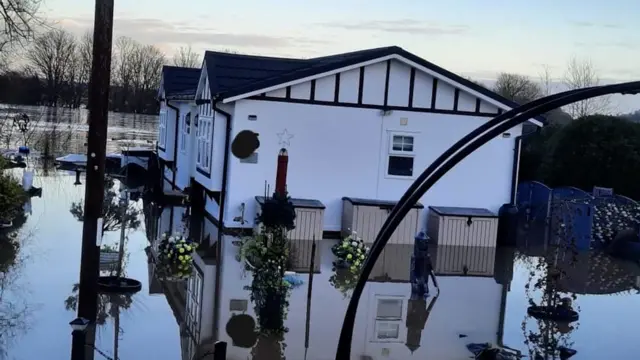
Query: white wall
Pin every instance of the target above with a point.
(342, 151)
(467, 305)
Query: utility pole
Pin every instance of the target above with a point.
(96, 151)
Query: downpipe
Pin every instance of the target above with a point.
(175, 143)
(443, 164)
(223, 198)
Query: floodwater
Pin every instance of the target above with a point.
(483, 295)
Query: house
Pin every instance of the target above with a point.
(176, 96)
(362, 124)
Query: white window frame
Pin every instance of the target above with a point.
(193, 313)
(401, 153)
(184, 133)
(204, 143)
(162, 129)
(384, 323)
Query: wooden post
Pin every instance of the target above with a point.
(96, 152)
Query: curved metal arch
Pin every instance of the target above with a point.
(443, 164)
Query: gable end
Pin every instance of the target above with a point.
(388, 85)
(391, 82)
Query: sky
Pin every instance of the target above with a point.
(474, 38)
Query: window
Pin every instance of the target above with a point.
(387, 330)
(388, 319)
(389, 309)
(162, 129)
(401, 155)
(194, 309)
(184, 134)
(204, 141)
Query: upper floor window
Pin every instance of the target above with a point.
(204, 139)
(162, 129)
(401, 155)
(184, 133)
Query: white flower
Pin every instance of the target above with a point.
(172, 239)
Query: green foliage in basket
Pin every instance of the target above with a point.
(175, 257)
(350, 254)
(266, 254)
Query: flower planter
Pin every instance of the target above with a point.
(175, 258)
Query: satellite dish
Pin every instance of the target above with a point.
(245, 144)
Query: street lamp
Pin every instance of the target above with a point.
(79, 324)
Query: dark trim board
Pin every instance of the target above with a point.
(434, 93)
(203, 172)
(412, 83)
(336, 89)
(375, 107)
(386, 83)
(361, 85)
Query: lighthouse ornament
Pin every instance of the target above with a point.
(278, 211)
(283, 162)
(281, 172)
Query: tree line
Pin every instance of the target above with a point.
(57, 65)
(582, 145)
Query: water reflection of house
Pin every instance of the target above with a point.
(191, 300)
(389, 323)
(471, 302)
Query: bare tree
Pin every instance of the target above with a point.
(186, 57)
(78, 72)
(582, 73)
(123, 71)
(147, 69)
(518, 88)
(51, 56)
(547, 85)
(17, 19)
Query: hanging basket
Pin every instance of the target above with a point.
(175, 257)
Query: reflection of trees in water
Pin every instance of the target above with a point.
(14, 309)
(544, 273)
(109, 305)
(113, 218)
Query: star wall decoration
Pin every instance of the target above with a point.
(284, 138)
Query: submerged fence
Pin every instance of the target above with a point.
(574, 214)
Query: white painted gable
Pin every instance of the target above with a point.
(391, 81)
(399, 88)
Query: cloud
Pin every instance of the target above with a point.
(595, 24)
(164, 33)
(407, 26)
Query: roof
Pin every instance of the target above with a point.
(232, 75)
(180, 82)
(228, 72)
